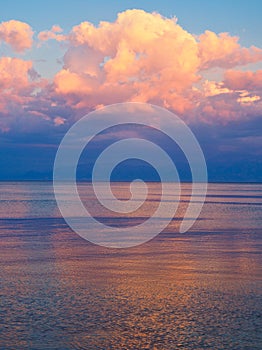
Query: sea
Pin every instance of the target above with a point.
(201, 289)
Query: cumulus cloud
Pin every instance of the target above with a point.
(17, 34)
(239, 80)
(15, 82)
(14, 85)
(148, 58)
(19, 84)
(141, 57)
(224, 51)
(249, 86)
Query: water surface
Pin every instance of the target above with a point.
(199, 290)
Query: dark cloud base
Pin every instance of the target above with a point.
(233, 154)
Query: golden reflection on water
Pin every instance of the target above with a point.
(200, 290)
(158, 295)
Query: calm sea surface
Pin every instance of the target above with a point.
(199, 290)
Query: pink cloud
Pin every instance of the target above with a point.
(131, 59)
(19, 85)
(248, 80)
(138, 57)
(54, 33)
(15, 88)
(14, 73)
(15, 83)
(59, 121)
(17, 34)
(224, 51)
(148, 58)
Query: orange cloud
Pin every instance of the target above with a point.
(14, 86)
(14, 73)
(249, 86)
(59, 121)
(248, 80)
(17, 34)
(141, 57)
(53, 33)
(215, 49)
(18, 82)
(224, 51)
(148, 58)
(246, 99)
(26, 100)
(213, 88)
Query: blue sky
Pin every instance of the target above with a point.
(242, 18)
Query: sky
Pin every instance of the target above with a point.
(199, 59)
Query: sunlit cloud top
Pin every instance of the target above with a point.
(140, 56)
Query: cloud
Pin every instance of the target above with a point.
(245, 98)
(14, 73)
(14, 87)
(149, 58)
(213, 88)
(141, 57)
(15, 83)
(248, 80)
(19, 83)
(134, 58)
(54, 33)
(224, 51)
(17, 34)
(249, 86)
(59, 121)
